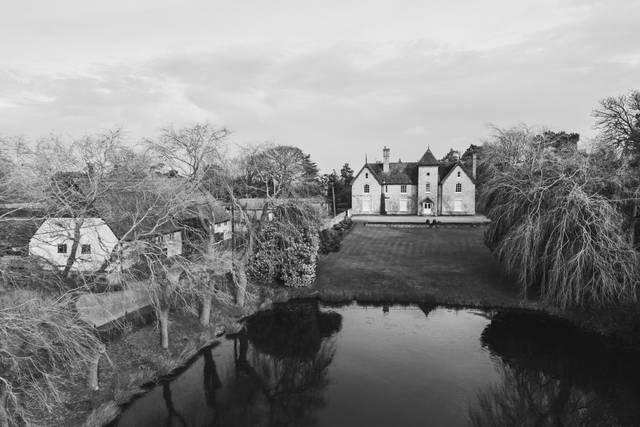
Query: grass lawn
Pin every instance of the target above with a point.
(445, 265)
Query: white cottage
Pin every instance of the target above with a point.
(53, 242)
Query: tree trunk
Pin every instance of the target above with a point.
(4, 416)
(74, 247)
(241, 280)
(634, 221)
(163, 317)
(205, 315)
(93, 370)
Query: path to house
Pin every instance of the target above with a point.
(416, 219)
(445, 265)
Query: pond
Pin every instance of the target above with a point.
(306, 364)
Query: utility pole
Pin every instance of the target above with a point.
(333, 192)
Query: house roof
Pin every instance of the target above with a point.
(399, 173)
(428, 159)
(219, 213)
(151, 225)
(407, 173)
(15, 234)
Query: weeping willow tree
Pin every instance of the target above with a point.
(551, 228)
(44, 347)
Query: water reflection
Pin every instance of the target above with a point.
(281, 366)
(276, 376)
(414, 365)
(555, 375)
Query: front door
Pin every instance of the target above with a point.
(403, 205)
(457, 205)
(366, 205)
(427, 209)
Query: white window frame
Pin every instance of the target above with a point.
(428, 187)
(403, 188)
(458, 187)
(367, 188)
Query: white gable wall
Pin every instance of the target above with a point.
(360, 199)
(55, 231)
(466, 200)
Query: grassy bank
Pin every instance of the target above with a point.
(450, 266)
(445, 265)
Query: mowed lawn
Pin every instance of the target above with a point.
(447, 265)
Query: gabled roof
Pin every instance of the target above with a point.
(445, 170)
(428, 159)
(407, 173)
(399, 173)
(369, 166)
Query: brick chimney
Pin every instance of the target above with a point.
(473, 165)
(385, 159)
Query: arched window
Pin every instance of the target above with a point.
(428, 187)
(458, 188)
(366, 188)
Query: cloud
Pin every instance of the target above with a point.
(338, 99)
(418, 130)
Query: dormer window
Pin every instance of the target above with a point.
(366, 188)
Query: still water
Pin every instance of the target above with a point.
(306, 364)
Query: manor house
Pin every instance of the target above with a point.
(426, 187)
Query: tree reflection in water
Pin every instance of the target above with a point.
(554, 375)
(281, 366)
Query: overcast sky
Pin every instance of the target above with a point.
(338, 78)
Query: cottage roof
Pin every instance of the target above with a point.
(15, 234)
(219, 213)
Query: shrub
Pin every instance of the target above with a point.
(329, 241)
(287, 247)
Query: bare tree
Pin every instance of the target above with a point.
(190, 150)
(618, 119)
